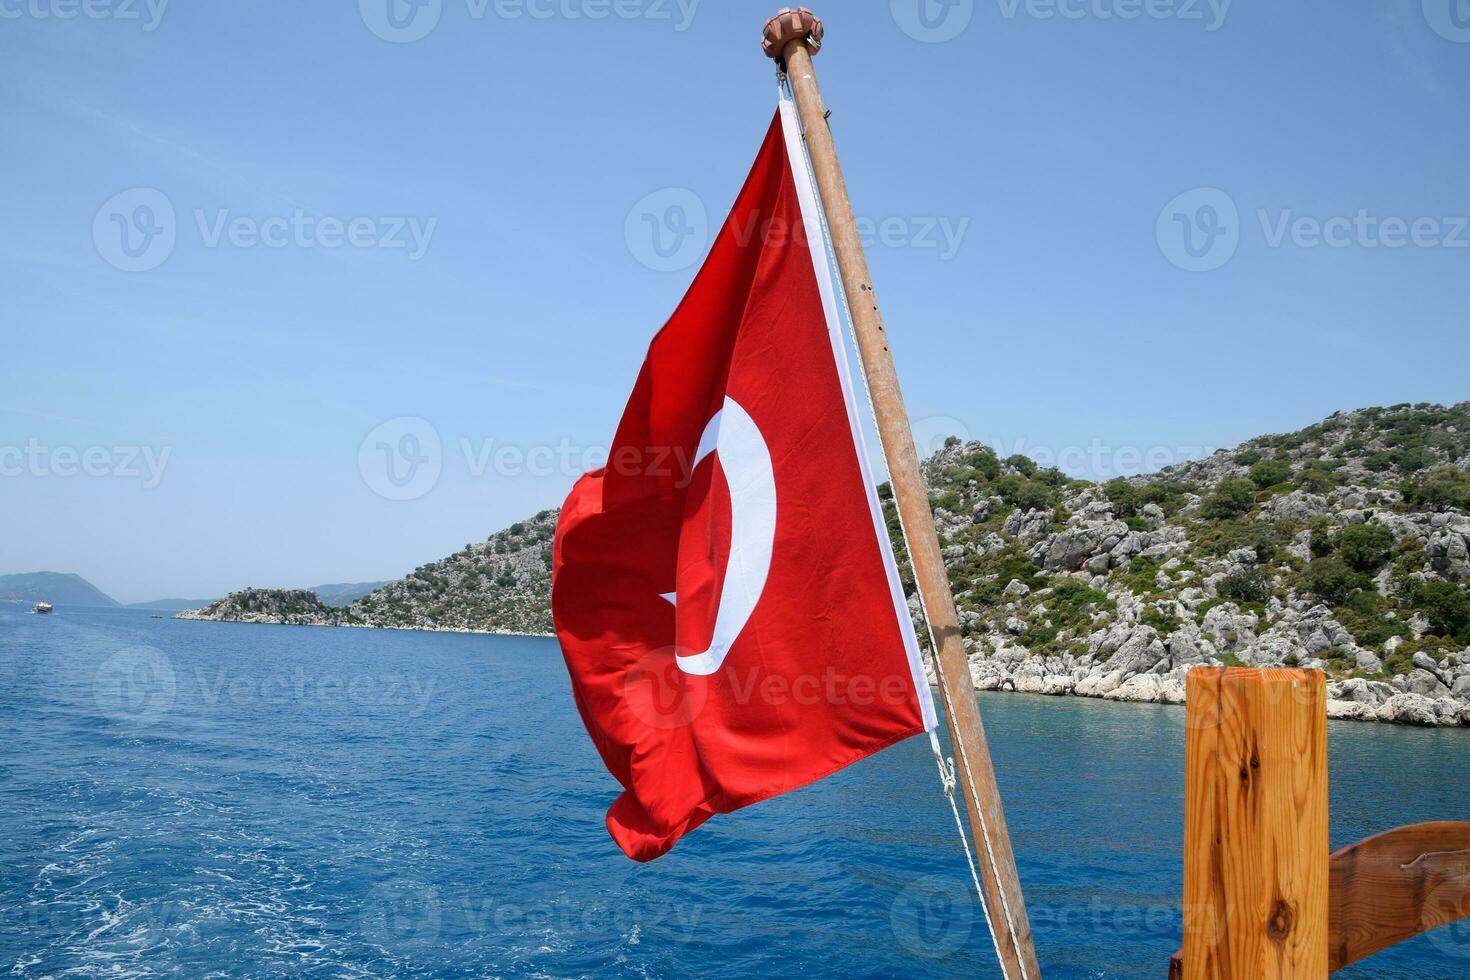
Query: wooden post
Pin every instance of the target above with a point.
(1255, 825)
(792, 37)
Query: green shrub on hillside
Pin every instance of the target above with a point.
(1366, 617)
(1222, 537)
(1164, 623)
(1231, 498)
(948, 500)
(1024, 465)
(1142, 576)
(1316, 479)
(1330, 579)
(1129, 500)
(1412, 459)
(1026, 494)
(1247, 585)
(1365, 547)
(1269, 472)
(1442, 488)
(1446, 606)
(1071, 596)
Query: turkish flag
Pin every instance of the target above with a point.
(723, 589)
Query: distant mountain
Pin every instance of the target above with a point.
(342, 594)
(170, 605)
(57, 588)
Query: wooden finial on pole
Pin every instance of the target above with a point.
(790, 25)
(792, 37)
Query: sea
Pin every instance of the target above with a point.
(217, 800)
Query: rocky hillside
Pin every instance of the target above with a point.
(1344, 547)
(500, 585)
(293, 607)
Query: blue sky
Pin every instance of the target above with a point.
(1113, 232)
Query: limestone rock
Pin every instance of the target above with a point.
(1409, 709)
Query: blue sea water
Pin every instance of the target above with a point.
(213, 799)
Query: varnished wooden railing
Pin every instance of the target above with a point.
(1262, 897)
(1396, 885)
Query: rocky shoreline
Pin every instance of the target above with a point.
(199, 616)
(1353, 699)
(1015, 672)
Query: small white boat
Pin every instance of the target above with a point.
(41, 607)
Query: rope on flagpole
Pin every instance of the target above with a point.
(947, 780)
(946, 767)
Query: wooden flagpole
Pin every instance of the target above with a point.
(792, 37)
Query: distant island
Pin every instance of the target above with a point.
(500, 585)
(69, 589)
(1344, 547)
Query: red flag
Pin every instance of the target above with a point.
(724, 590)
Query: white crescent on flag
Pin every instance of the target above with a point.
(746, 460)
